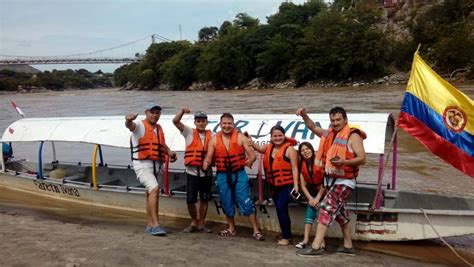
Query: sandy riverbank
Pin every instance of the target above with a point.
(29, 240)
(41, 231)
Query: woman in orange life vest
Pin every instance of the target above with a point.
(281, 171)
(311, 179)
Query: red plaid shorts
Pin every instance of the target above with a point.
(333, 206)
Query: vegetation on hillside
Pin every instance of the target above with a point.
(54, 80)
(309, 42)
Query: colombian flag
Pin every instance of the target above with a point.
(439, 116)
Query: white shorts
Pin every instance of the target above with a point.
(148, 175)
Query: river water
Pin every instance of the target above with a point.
(418, 169)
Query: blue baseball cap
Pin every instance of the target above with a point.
(151, 106)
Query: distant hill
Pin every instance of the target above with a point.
(20, 68)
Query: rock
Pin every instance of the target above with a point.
(127, 87)
(201, 86)
(164, 87)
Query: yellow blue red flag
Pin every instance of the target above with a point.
(439, 116)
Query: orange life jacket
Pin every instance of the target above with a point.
(232, 159)
(314, 178)
(280, 172)
(195, 152)
(151, 146)
(350, 172)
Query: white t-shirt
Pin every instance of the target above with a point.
(188, 138)
(136, 135)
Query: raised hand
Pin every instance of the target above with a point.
(301, 112)
(131, 117)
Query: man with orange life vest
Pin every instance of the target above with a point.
(280, 162)
(197, 180)
(341, 152)
(149, 152)
(311, 181)
(230, 151)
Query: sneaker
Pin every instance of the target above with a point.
(158, 231)
(190, 229)
(148, 229)
(301, 245)
(310, 252)
(268, 202)
(204, 229)
(345, 251)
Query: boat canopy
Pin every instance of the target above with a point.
(111, 130)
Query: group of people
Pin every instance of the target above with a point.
(326, 177)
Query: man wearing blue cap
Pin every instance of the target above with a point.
(149, 152)
(197, 180)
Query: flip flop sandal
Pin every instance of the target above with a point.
(258, 236)
(284, 242)
(227, 232)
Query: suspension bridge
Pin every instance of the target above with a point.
(102, 56)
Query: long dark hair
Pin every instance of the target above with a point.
(310, 160)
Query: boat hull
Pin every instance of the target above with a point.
(382, 225)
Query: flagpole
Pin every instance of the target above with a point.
(384, 167)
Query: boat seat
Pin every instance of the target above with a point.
(137, 184)
(139, 188)
(179, 189)
(76, 178)
(109, 182)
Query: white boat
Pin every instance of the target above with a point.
(387, 214)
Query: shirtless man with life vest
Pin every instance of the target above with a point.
(197, 180)
(231, 153)
(149, 152)
(341, 152)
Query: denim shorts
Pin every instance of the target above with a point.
(241, 193)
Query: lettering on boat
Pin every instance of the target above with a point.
(261, 130)
(57, 188)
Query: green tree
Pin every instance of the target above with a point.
(207, 34)
(274, 63)
(155, 56)
(446, 34)
(244, 21)
(225, 28)
(224, 61)
(290, 13)
(180, 70)
(341, 46)
(147, 79)
(126, 73)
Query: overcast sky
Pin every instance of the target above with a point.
(62, 27)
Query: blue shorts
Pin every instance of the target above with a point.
(242, 193)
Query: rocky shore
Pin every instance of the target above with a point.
(393, 79)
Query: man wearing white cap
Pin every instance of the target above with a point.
(149, 152)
